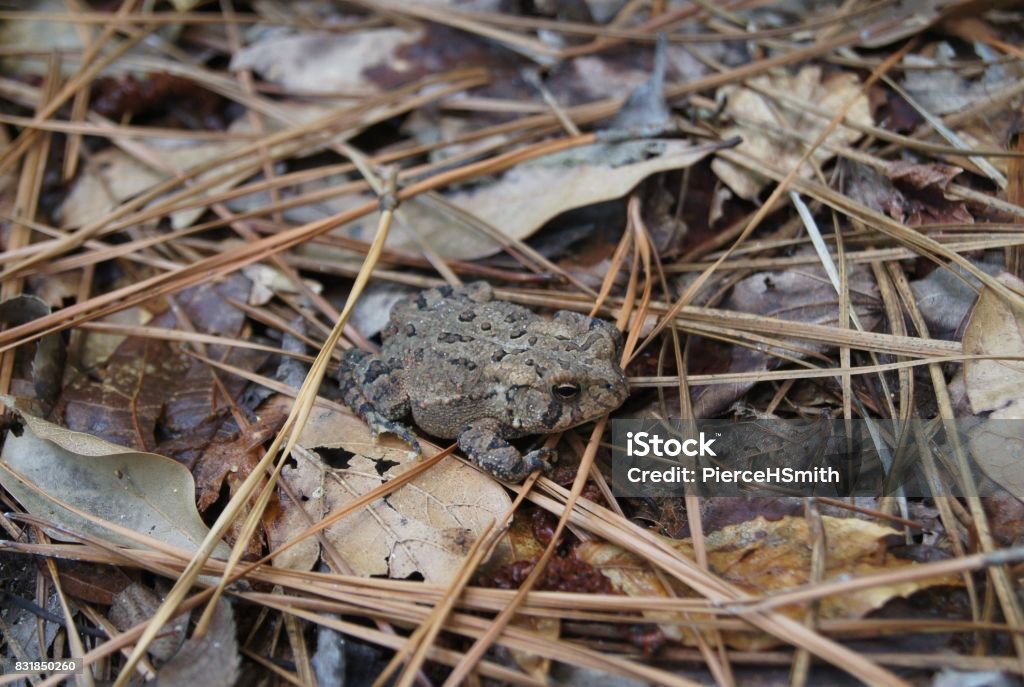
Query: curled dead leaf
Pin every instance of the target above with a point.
(763, 556)
(144, 492)
(425, 527)
(529, 195)
(757, 116)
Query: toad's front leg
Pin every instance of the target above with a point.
(483, 443)
(368, 388)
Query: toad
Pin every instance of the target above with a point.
(483, 371)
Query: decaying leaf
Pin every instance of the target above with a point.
(37, 35)
(144, 492)
(801, 294)
(48, 360)
(425, 527)
(946, 297)
(208, 661)
(995, 388)
(333, 62)
(529, 195)
(996, 328)
(910, 193)
(150, 395)
(763, 556)
(112, 176)
(941, 91)
(268, 281)
(137, 603)
(757, 118)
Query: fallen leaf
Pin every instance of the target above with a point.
(910, 193)
(137, 603)
(48, 360)
(995, 388)
(646, 108)
(211, 660)
(144, 492)
(942, 91)
(150, 395)
(922, 176)
(801, 294)
(269, 281)
(996, 328)
(332, 62)
(616, 71)
(756, 117)
(426, 527)
(26, 35)
(112, 176)
(160, 98)
(374, 60)
(946, 297)
(761, 556)
(231, 460)
(97, 347)
(538, 191)
(373, 309)
(535, 665)
(91, 583)
(523, 546)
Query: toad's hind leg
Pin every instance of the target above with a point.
(484, 445)
(368, 389)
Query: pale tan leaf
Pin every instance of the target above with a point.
(996, 387)
(145, 492)
(425, 527)
(762, 556)
(112, 176)
(758, 116)
(996, 328)
(529, 195)
(336, 62)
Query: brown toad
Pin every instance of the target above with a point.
(484, 371)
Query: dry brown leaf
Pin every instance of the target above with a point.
(762, 556)
(332, 62)
(211, 660)
(922, 175)
(373, 60)
(783, 152)
(996, 387)
(529, 195)
(801, 294)
(145, 492)
(942, 91)
(909, 193)
(149, 394)
(137, 603)
(996, 328)
(28, 35)
(425, 527)
(112, 176)
(268, 281)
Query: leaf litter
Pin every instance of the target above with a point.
(187, 191)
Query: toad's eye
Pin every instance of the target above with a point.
(566, 390)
